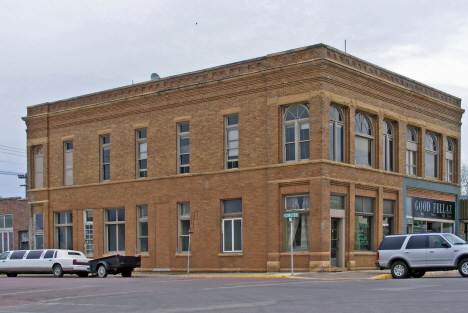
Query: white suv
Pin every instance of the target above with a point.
(414, 254)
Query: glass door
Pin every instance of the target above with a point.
(334, 242)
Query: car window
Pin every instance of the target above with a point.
(392, 243)
(417, 242)
(4, 255)
(455, 240)
(36, 254)
(74, 253)
(17, 255)
(435, 241)
(49, 254)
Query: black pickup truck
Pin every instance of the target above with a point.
(115, 264)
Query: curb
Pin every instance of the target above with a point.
(235, 276)
(383, 276)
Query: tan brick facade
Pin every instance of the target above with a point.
(258, 91)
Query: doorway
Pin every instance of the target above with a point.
(335, 242)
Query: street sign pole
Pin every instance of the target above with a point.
(290, 216)
(291, 243)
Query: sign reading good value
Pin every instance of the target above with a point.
(430, 208)
(285, 215)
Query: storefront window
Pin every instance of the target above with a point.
(300, 225)
(388, 217)
(363, 223)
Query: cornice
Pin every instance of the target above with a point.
(242, 68)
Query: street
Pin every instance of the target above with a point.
(192, 294)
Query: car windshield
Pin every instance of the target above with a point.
(454, 240)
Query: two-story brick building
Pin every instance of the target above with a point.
(355, 150)
(14, 224)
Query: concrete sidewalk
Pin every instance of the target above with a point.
(345, 275)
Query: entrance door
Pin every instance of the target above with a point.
(334, 242)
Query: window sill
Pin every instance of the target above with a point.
(365, 253)
(295, 253)
(229, 254)
(182, 255)
(145, 255)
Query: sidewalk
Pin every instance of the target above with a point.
(345, 275)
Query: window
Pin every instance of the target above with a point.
(38, 167)
(232, 226)
(388, 217)
(296, 133)
(336, 134)
(23, 240)
(105, 157)
(184, 226)
(411, 151)
(232, 142)
(300, 225)
(6, 232)
(63, 230)
(363, 224)
(183, 138)
(88, 232)
(417, 242)
(39, 231)
(388, 146)
(364, 140)
(449, 153)
(115, 230)
(142, 154)
(432, 148)
(68, 163)
(142, 228)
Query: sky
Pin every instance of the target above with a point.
(54, 50)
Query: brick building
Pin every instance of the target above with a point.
(355, 150)
(14, 224)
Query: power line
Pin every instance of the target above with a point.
(12, 148)
(12, 162)
(13, 154)
(10, 173)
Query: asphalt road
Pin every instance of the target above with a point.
(221, 294)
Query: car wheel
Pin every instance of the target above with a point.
(127, 274)
(463, 267)
(399, 270)
(11, 274)
(418, 274)
(82, 274)
(102, 271)
(58, 271)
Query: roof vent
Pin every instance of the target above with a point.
(155, 76)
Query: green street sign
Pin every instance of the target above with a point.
(285, 215)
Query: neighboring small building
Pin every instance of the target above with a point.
(14, 224)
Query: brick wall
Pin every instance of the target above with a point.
(19, 209)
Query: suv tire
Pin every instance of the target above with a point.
(463, 267)
(400, 269)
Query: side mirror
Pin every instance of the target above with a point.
(445, 245)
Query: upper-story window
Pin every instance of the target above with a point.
(296, 133)
(105, 157)
(38, 167)
(432, 150)
(183, 138)
(68, 163)
(141, 153)
(411, 151)
(364, 140)
(232, 142)
(336, 134)
(449, 153)
(388, 146)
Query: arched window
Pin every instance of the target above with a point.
(38, 167)
(449, 153)
(336, 134)
(432, 150)
(388, 146)
(296, 133)
(411, 151)
(364, 140)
